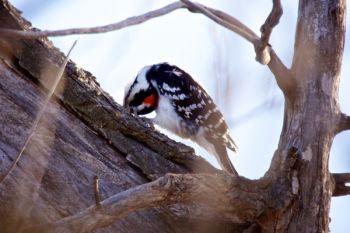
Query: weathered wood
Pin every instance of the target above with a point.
(83, 133)
(312, 116)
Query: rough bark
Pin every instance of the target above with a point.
(312, 115)
(85, 133)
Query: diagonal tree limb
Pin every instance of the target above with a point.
(223, 19)
(340, 181)
(167, 190)
(222, 193)
(39, 115)
(131, 21)
(235, 199)
(265, 54)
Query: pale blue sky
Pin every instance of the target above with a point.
(200, 47)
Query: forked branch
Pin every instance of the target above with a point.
(272, 20)
(264, 53)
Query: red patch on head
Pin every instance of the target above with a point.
(150, 100)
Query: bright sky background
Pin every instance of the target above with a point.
(214, 56)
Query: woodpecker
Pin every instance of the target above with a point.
(183, 107)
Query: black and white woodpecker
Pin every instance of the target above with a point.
(183, 107)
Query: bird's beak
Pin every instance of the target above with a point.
(131, 110)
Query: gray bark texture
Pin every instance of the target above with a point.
(84, 134)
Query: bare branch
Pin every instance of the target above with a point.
(262, 47)
(39, 115)
(266, 30)
(221, 192)
(340, 181)
(224, 20)
(94, 30)
(264, 53)
(284, 78)
(343, 123)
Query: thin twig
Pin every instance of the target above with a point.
(39, 115)
(340, 181)
(97, 192)
(94, 30)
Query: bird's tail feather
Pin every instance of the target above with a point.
(224, 160)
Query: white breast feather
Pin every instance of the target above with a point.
(166, 116)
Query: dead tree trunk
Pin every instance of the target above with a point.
(312, 111)
(82, 134)
(85, 133)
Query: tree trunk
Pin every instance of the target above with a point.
(312, 113)
(84, 133)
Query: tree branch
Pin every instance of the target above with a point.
(131, 21)
(340, 181)
(221, 193)
(224, 20)
(272, 20)
(265, 54)
(343, 123)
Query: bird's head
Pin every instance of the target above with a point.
(141, 97)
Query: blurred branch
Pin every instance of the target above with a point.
(222, 192)
(131, 21)
(264, 53)
(343, 124)
(223, 19)
(39, 115)
(340, 181)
